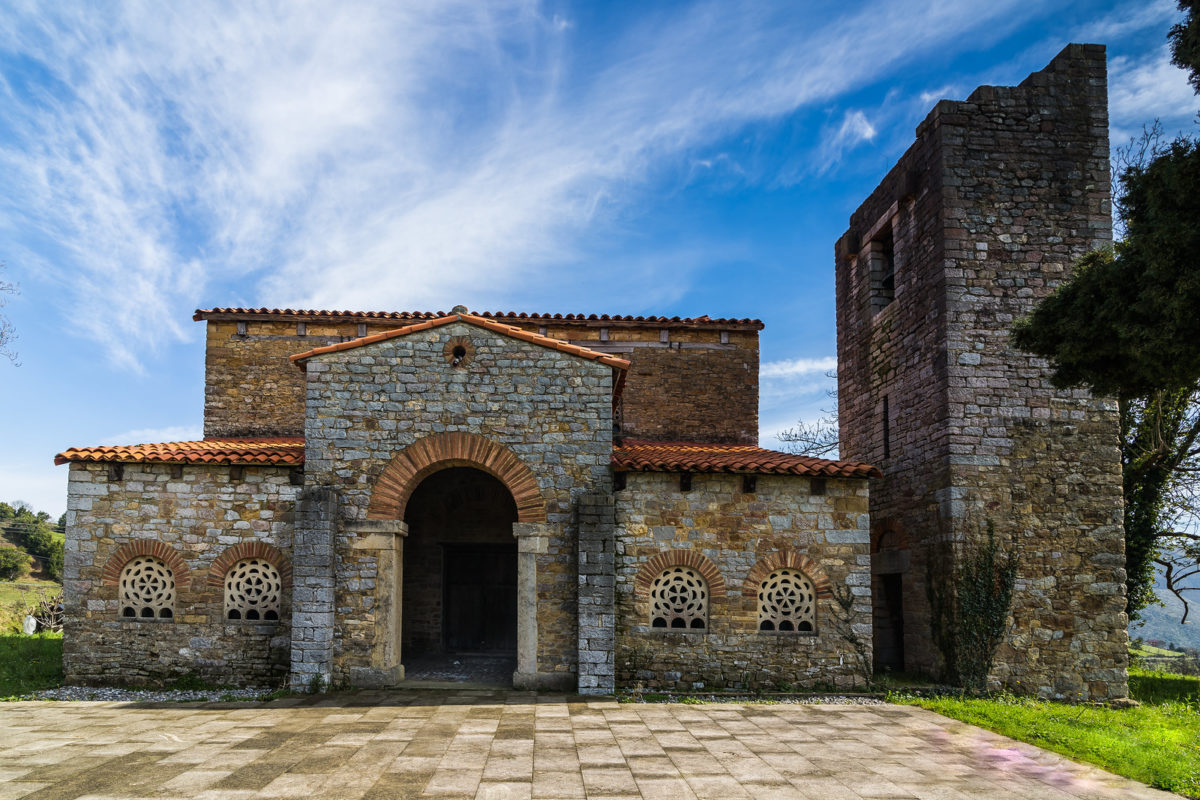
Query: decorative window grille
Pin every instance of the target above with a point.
(252, 590)
(787, 602)
(147, 589)
(679, 599)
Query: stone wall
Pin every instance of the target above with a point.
(984, 215)
(735, 539)
(368, 405)
(693, 395)
(251, 389)
(196, 519)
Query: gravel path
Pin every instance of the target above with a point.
(147, 695)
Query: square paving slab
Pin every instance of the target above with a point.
(384, 745)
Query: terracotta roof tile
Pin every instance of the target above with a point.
(281, 451)
(501, 316)
(642, 456)
(470, 319)
(630, 455)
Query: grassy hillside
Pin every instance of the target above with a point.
(1162, 622)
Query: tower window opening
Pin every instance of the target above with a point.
(881, 264)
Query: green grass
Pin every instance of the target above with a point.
(30, 663)
(1158, 743)
(15, 596)
(1157, 652)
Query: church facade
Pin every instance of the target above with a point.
(584, 495)
(374, 489)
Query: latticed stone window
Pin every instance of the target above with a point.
(252, 590)
(679, 599)
(787, 602)
(147, 589)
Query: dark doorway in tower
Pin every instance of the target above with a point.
(889, 564)
(459, 595)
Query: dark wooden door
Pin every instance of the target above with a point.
(480, 585)
(889, 626)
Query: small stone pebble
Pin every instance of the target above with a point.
(146, 695)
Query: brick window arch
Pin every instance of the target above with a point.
(679, 599)
(787, 602)
(656, 574)
(791, 601)
(253, 577)
(144, 547)
(253, 590)
(146, 589)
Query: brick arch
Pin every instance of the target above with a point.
(888, 528)
(657, 564)
(241, 550)
(440, 451)
(787, 559)
(144, 547)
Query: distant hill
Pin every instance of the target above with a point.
(1162, 622)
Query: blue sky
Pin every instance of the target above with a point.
(667, 158)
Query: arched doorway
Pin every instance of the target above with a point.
(459, 590)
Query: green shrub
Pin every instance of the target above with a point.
(12, 563)
(54, 563)
(970, 612)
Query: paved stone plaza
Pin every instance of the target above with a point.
(505, 744)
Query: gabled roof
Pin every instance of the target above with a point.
(500, 316)
(469, 319)
(281, 451)
(641, 456)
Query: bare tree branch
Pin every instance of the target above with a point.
(7, 331)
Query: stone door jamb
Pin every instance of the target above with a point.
(533, 539)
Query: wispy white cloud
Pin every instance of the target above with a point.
(945, 92)
(1146, 89)
(380, 155)
(797, 367)
(172, 433)
(854, 129)
(1129, 17)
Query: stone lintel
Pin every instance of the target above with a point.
(381, 526)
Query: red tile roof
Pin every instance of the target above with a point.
(470, 319)
(283, 451)
(630, 455)
(641, 456)
(502, 316)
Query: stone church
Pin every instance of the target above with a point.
(582, 496)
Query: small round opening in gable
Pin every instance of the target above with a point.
(458, 351)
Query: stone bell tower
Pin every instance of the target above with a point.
(981, 218)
